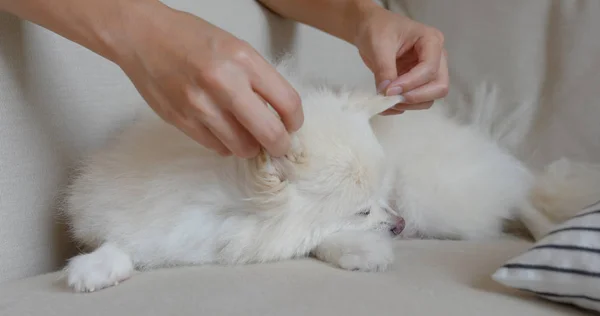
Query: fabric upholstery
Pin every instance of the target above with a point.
(428, 278)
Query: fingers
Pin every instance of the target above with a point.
(279, 93)
(436, 89)
(231, 103)
(383, 68)
(391, 111)
(210, 119)
(233, 135)
(204, 136)
(429, 50)
(422, 97)
(186, 121)
(410, 107)
(260, 122)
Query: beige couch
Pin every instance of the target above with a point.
(58, 100)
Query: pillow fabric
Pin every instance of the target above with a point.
(564, 266)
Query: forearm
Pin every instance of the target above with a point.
(98, 25)
(339, 18)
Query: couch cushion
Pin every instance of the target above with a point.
(428, 278)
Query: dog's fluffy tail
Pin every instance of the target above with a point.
(565, 188)
(561, 190)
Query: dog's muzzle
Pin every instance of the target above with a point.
(398, 227)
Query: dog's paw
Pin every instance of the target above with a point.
(367, 260)
(105, 267)
(357, 252)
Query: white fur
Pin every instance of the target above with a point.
(357, 251)
(460, 181)
(154, 198)
(453, 182)
(106, 266)
(161, 199)
(563, 189)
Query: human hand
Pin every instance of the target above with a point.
(207, 83)
(406, 57)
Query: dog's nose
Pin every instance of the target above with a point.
(398, 226)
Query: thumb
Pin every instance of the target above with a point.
(384, 69)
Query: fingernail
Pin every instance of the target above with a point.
(382, 85)
(394, 91)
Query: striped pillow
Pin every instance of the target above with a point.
(564, 266)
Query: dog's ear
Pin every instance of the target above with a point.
(374, 105)
(271, 175)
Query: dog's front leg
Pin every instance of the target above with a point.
(357, 251)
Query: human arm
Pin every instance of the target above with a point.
(206, 82)
(406, 57)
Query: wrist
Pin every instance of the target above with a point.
(134, 20)
(115, 36)
(340, 18)
(356, 13)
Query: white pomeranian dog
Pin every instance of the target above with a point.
(352, 181)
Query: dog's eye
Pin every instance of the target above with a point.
(364, 212)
